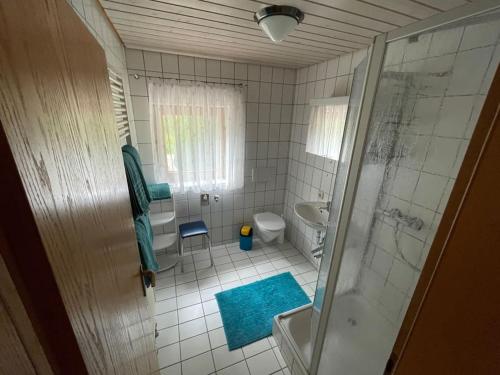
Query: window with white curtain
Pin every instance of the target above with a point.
(326, 126)
(198, 135)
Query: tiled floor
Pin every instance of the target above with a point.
(192, 340)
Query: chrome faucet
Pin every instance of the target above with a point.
(327, 206)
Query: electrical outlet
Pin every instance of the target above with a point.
(216, 197)
(321, 194)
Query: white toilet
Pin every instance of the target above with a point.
(269, 227)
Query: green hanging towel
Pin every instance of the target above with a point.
(132, 151)
(154, 192)
(159, 191)
(139, 195)
(144, 234)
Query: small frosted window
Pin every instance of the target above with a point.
(326, 126)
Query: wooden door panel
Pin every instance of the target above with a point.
(57, 116)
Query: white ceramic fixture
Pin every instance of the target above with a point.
(278, 21)
(269, 227)
(314, 214)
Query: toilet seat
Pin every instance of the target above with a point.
(269, 221)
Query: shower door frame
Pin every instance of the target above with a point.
(371, 84)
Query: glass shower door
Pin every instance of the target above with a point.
(430, 90)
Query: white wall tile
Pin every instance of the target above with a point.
(266, 73)
(170, 63)
(135, 60)
(140, 107)
(138, 85)
(441, 155)
(152, 61)
(213, 68)
(469, 70)
(445, 41)
(454, 116)
(186, 65)
(480, 35)
(227, 69)
(429, 190)
(240, 71)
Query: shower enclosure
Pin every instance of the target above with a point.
(413, 109)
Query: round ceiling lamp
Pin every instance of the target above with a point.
(278, 21)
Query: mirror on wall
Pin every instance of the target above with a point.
(326, 126)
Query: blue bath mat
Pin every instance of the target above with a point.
(247, 311)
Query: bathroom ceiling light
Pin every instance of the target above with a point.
(278, 21)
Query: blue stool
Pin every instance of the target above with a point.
(193, 229)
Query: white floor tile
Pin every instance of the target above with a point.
(265, 267)
(256, 348)
(188, 299)
(225, 358)
(208, 282)
(185, 277)
(231, 285)
(167, 336)
(209, 294)
(206, 272)
(239, 368)
(167, 320)
(202, 264)
(169, 355)
(238, 256)
(297, 259)
(304, 267)
(166, 306)
(281, 263)
(217, 338)
(243, 264)
(272, 341)
(251, 279)
(225, 259)
(164, 282)
(186, 288)
(202, 364)
(210, 307)
(192, 328)
(213, 321)
(222, 268)
(165, 293)
(261, 259)
(194, 346)
(228, 277)
(172, 370)
(190, 313)
(247, 272)
(280, 358)
(263, 364)
(310, 276)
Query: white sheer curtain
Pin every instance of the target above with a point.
(326, 126)
(198, 135)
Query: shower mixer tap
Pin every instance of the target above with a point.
(413, 222)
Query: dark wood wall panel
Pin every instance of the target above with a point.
(20, 347)
(13, 356)
(56, 112)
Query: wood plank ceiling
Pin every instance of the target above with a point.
(226, 29)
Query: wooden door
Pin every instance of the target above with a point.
(65, 214)
(453, 324)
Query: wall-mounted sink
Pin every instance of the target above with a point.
(313, 214)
